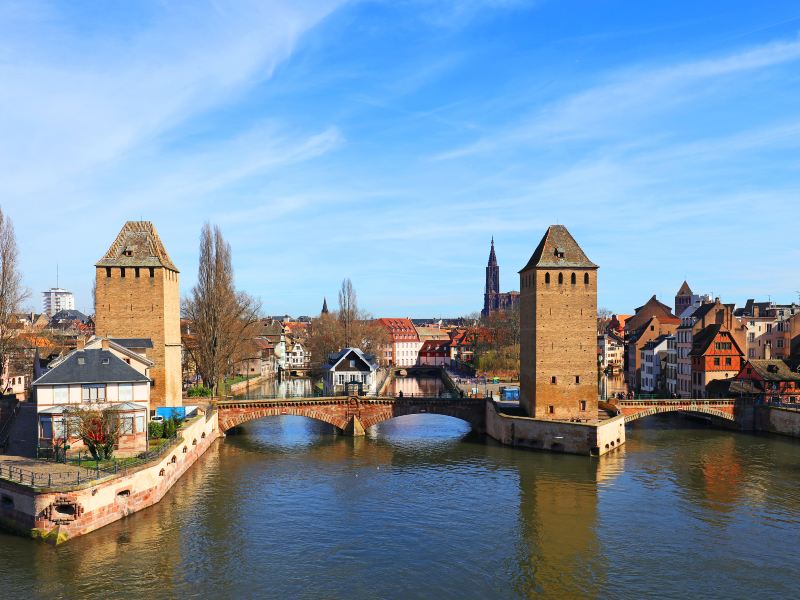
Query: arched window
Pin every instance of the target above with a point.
(560, 278)
(573, 279)
(585, 279)
(547, 278)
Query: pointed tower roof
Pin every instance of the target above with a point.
(685, 290)
(324, 306)
(492, 257)
(137, 245)
(558, 249)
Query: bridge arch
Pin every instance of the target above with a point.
(722, 410)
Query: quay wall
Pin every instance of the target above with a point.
(243, 386)
(557, 436)
(774, 419)
(58, 515)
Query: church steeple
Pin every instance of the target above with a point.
(491, 295)
(324, 306)
(492, 257)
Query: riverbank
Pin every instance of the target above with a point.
(54, 511)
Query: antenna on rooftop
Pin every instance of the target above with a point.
(56, 274)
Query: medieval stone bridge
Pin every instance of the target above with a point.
(735, 412)
(351, 415)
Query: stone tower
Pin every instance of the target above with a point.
(492, 291)
(558, 330)
(138, 297)
(683, 299)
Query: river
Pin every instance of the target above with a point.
(421, 509)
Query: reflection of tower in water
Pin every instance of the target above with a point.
(559, 551)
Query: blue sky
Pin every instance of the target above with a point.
(387, 141)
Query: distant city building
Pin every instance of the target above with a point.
(493, 299)
(350, 372)
(57, 299)
(768, 328)
(434, 353)
(611, 351)
(651, 320)
(715, 355)
(404, 345)
(654, 364)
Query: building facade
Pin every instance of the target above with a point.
(350, 373)
(56, 299)
(493, 299)
(404, 343)
(558, 327)
(715, 355)
(138, 296)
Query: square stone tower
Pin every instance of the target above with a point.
(558, 328)
(138, 297)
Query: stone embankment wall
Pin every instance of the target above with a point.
(785, 421)
(60, 515)
(242, 386)
(558, 436)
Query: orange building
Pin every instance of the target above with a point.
(715, 355)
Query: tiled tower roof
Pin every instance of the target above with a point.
(558, 249)
(137, 245)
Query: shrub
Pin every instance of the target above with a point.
(199, 391)
(170, 427)
(155, 430)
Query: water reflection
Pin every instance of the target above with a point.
(421, 508)
(417, 386)
(296, 387)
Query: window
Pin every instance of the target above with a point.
(716, 361)
(573, 279)
(577, 378)
(58, 428)
(583, 404)
(122, 272)
(125, 392)
(780, 342)
(46, 428)
(352, 363)
(751, 337)
(551, 409)
(547, 278)
(553, 379)
(152, 272)
(60, 394)
(728, 360)
(139, 423)
(108, 271)
(136, 272)
(560, 278)
(585, 279)
(126, 425)
(769, 327)
(94, 392)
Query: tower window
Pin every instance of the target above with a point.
(122, 272)
(573, 279)
(136, 271)
(152, 272)
(553, 380)
(577, 378)
(551, 409)
(108, 271)
(583, 404)
(547, 278)
(585, 279)
(560, 278)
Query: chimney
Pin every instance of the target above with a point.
(81, 343)
(104, 343)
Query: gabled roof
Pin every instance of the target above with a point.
(133, 342)
(685, 290)
(703, 339)
(91, 366)
(654, 302)
(774, 370)
(558, 249)
(96, 342)
(344, 353)
(137, 245)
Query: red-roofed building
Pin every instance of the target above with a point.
(404, 347)
(434, 353)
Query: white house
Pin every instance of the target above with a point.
(102, 374)
(350, 372)
(653, 361)
(297, 357)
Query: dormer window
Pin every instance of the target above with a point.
(559, 253)
(81, 360)
(105, 361)
(128, 251)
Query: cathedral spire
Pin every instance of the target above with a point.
(324, 306)
(492, 257)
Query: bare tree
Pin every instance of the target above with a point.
(12, 293)
(348, 309)
(222, 320)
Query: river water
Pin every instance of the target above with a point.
(420, 509)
